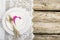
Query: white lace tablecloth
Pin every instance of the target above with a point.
(6, 5)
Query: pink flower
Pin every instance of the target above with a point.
(14, 18)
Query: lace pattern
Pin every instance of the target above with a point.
(27, 4)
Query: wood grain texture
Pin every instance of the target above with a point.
(46, 5)
(46, 16)
(47, 37)
(46, 22)
(46, 27)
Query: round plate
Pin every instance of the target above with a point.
(21, 20)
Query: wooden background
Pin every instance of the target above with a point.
(46, 19)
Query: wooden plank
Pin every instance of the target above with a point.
(46, 22)
(47, 37)
(46, 27)
(46, 16)
(46, 5)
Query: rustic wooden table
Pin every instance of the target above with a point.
(46, 19)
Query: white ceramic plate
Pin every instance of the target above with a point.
(22, 25)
